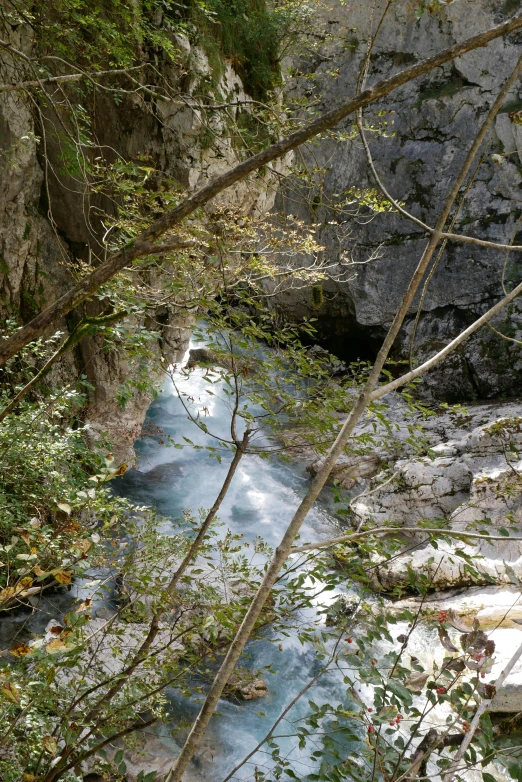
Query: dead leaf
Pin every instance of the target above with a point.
(49, 744)
(6, 594)
(474, 642)
(446, 641)
(20, 650)
(458, 623)
(11, 692)
(484, 665)
(416, 681)
(38, 570)
(489, 648)
(454, 665)
(63, 576)
(122, 469)
(65, 507)
(54, 627)
(26, 537)
(25, 583)
(84, 606)
(85, 545)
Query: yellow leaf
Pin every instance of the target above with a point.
(25, 583)
(29, 778)
(38, 570)
(49, 744)
(55, 646)
(63, 577)
(6, 593)
(26, 537)
(10, 692)
(84, 606)
(65, 507)
(84, 545)
(20, 650)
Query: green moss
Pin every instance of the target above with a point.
(248, 33)
(446, 89)
(511, 5)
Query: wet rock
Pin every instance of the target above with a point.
(246, 686)
(499, 613)
(201, 356)
(493, 606)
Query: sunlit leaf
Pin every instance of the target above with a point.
(11, 692)
(49, 745)
(63, 576)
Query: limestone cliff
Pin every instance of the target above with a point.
(49, 219)
(418, 136)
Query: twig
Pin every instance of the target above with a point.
(478, 714)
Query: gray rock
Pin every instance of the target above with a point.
(36, 256)
(428, 125)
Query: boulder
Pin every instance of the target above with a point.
(244, 685)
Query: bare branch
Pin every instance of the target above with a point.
(173, 217)
(389, 531)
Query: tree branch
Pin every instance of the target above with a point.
(135, 248)
(478, 714)
(348, 538)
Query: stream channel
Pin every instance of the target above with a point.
(260, 502)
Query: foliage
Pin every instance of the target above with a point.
(97, 34)
(431, 6)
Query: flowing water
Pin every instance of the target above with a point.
(262, 498)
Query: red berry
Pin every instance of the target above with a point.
(483, 675)
(399, 717)
(392, 723)
(370, 728)
(374, 662)
(440, 690)
(350, 640)
(370, 708)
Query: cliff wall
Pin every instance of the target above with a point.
(418, 137)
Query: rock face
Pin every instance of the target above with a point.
(471, 480)
(45, 228)
(245, 686)
(428, 126)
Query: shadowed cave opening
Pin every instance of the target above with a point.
(346, 339)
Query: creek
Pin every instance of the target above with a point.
(260, 502)
(262, 498)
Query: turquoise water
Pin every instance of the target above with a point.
(260, 502)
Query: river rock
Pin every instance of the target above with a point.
(471, 481)
(245, 685)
